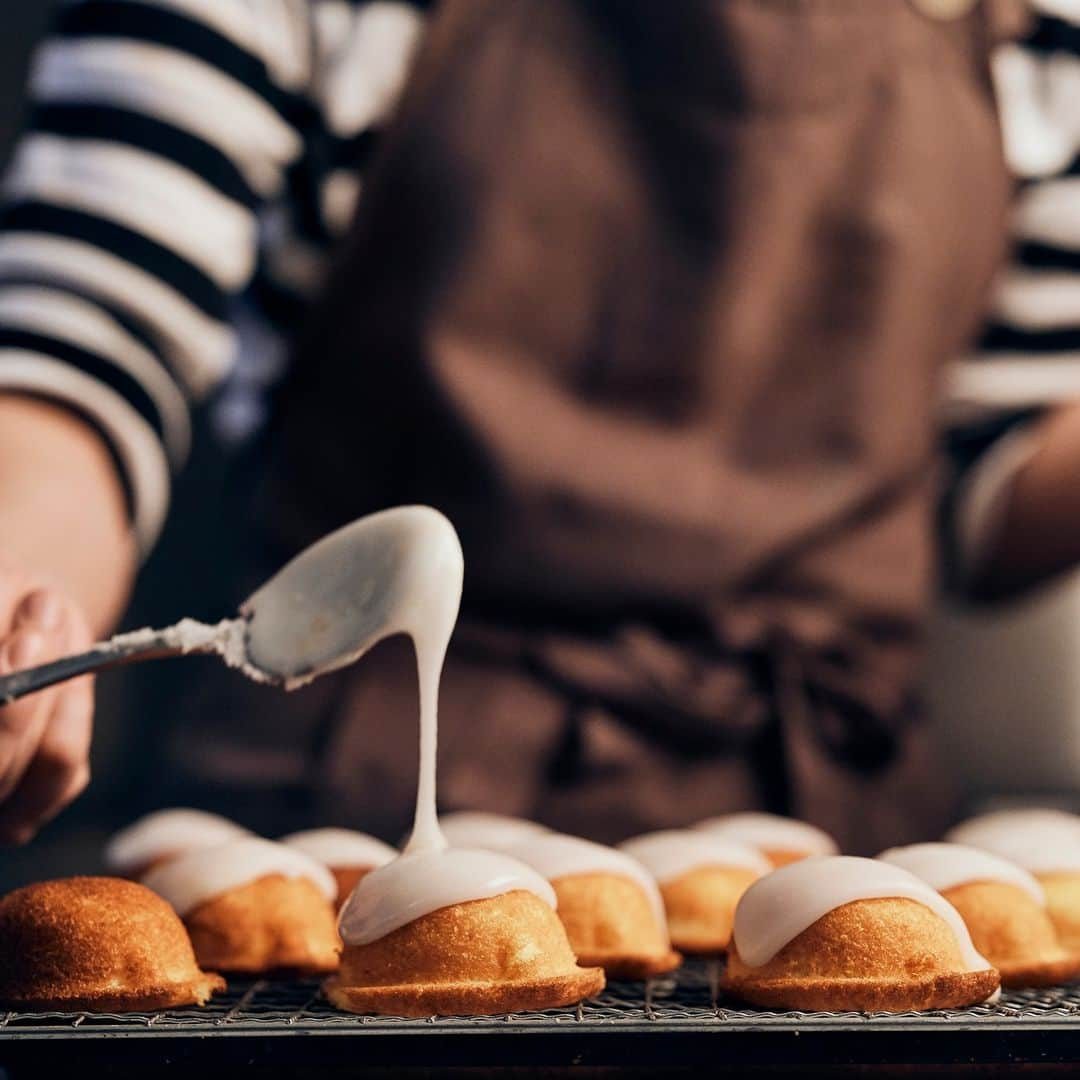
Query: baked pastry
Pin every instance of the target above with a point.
(490, 832)
(1060, 878)
(701, 879)
(1055, 864)
(163, 835)
(96, 944)
(1003, 906)
(1002, 829)
(1044, 842)
(608, 902)
(842, 933)
(347, 854)
(781, 840)
(455, 931)
(253, 906)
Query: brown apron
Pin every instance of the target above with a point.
(652, 300)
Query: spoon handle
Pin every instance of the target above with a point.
(107, 654)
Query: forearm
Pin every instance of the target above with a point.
(1039, 533)
(62, 512)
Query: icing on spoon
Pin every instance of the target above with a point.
(398, 571)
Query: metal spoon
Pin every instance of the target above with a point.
(320, 612)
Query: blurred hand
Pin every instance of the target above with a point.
(44, 738)
(67, 560)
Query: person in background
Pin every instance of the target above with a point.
(652, 300)
(1012, 507)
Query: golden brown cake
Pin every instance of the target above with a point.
(700, 907)
(608, 902)
(447, 930)
(252, 906)
(347, 854)
(96, 944)
(1002, 905)
(701, 879)
(346, 879)
(274, 923)
(839, 934)
(1063, 904)
(611, 923)
(1015, 933)
(781, 840)
(503, 954)
(1045, 843)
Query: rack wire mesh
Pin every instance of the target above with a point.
(689, 999)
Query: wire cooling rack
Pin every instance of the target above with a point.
(678, 1020)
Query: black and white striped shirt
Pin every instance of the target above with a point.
(1028, 358)
(181, 155)
(187, 162)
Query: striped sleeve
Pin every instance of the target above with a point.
(365, 51)
(1028, 358)
(1035, 322)
(128, 218)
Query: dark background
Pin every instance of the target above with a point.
(24, 22)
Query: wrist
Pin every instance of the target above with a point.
(63, 512)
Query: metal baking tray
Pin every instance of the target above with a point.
(679, 1020)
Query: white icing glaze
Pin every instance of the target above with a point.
(1042, 841)
(416, 884)
(395, 572)
(770, 832)
(1034, 826)
(669, 854)
(340, 848)
(478, 829)
(226, 639)
(777, 908)
(398, 572)
(166, 832)
(944, 866)
(555, 856)
(201, 875)
(1040, 856)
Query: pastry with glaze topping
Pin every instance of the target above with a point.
(841, 933)
(781, 840)
(253, 906)
(164, 835)
(453, 931)
(1044, 842)
(1003, 829)
(1062, 888)
(348, 855)
(608, 902)
(701, 878)
(490, 832)
(96, 944)
(1003, 906)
